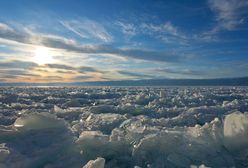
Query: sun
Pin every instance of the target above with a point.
(42, 55)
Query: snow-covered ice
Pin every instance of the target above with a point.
(147, 127)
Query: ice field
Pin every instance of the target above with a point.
(123, 127)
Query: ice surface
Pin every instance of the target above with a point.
(103, 122)
(124, 127)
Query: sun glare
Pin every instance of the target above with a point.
(42, 55)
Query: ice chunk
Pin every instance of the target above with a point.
(182, 147)
(102, 109)
(103, 122)
(201, 166)
(92, 135)
(57, 109)
(236, 131)
(94, 144)
(40, 140)
(98, 163)
(178, 159)
(36, 121)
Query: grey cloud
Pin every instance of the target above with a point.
(5, 27)
(81, 69)
(133, 74)
(15, 69)
(127, 53)
(150, 55)
(41, 70)
(14, 74)
(65, 72)
(81, 77)
(10, 76)
(18, 64)
(53, 77)
(18, 73)
(88, 69)
(23, 66)
(181, 72)
(60, 66)
(9, 33)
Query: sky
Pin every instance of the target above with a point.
(95, 40)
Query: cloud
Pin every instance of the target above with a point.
(167, 32)
(149, 55)
(21, 70)
(16, 69)
(229, 13)
(65, 72)
(7, 32)
(80, 77)
(5, 28)
(133, 74)
(71, 45)
(127, 28)
(6, 76)
(180, 71)
(81, 69)
(18, 64)
(15, 74)
(53, 77)
(88, 69)
(88, 29)
(60, 66)
(166, 28)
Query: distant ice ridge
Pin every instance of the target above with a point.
(123, 127)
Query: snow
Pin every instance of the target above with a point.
(124, 127)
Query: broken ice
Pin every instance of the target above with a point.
(147, 127)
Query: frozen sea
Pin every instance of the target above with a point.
(123, 127)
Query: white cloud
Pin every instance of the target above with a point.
(127, 28)
(86, 28)
(165, 29)
(5, 28)
(229, 13)
(166, 32)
